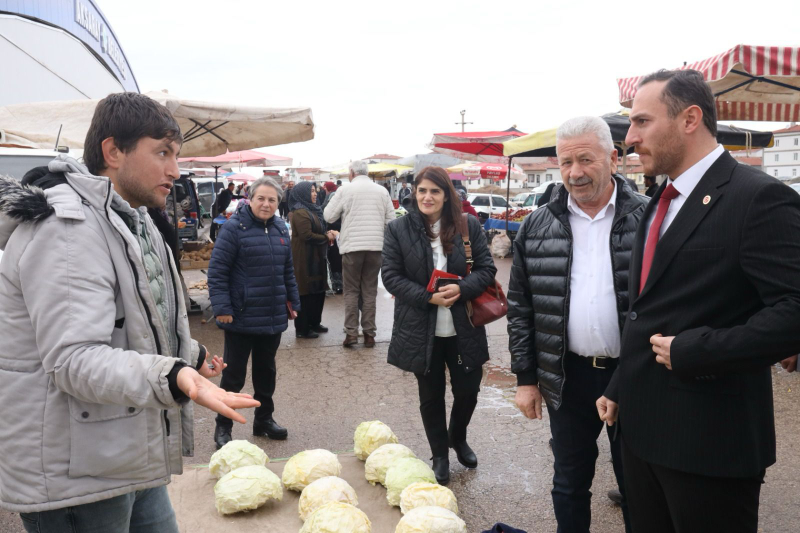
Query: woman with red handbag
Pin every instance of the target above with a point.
(432, 330)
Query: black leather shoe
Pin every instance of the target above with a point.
(441, 469)
(615, 496)
(465, 454)
(320, 329)
(269, 428)
(222, 436)
(309, 335)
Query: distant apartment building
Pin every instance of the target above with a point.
(782, 161)
(541, 172)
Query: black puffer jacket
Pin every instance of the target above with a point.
(538, 292)
(406, 270)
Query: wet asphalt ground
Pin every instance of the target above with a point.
(324, 391)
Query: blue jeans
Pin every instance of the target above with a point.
(575, 427)
(144, 511)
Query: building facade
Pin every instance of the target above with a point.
(782, 161)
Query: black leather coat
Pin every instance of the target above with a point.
(406, 270)
(538, 292)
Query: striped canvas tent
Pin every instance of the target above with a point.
(749, 83)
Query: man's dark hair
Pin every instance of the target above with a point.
(126, 117)
(686, 88)
(231, 185)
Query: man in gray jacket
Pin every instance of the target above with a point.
(97, 359)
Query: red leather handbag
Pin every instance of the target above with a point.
(489, 305)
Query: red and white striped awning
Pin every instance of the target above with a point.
(749, 83)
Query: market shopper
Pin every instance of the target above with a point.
(567, 301)
(310, 242)
(432, 330)
(364, 208)
(334, 257)
(284, 204)
(250, 280)
(466, 206)
(97, 364)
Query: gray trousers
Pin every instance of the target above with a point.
(360, 274)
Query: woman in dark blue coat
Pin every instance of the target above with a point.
(250, 281)
(432, 331)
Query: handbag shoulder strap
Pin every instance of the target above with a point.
(467, 243)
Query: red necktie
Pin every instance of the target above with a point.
(669, 194)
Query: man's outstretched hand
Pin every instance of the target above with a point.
(205, 393)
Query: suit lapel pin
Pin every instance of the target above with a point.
(706, 200)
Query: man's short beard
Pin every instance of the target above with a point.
(669, 156)
(131, 189)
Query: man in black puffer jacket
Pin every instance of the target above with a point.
(568, 299)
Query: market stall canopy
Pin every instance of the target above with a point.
(375, 170)
(243, 158)
(234, 177)
(748, 82)
(492, 171)
(543, 143)
(420, 161)
(208, 128)
(484, 146)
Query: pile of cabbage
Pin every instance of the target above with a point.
(245, 483)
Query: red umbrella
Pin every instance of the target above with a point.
(493, 171)
(486, 146)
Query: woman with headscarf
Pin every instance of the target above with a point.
(310, 241)
(334, 257)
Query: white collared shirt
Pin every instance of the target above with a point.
(685, 184)
(444, 317)
(593, 324)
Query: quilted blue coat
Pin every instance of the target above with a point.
(251, 276)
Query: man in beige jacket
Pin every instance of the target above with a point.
(365, 208)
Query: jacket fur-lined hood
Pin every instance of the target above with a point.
(20, 204)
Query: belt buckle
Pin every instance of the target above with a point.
(595, 365)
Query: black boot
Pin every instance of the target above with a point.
(269, 428)
(441, 469)
(464, 453)
(222, 436)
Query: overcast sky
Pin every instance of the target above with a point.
(382, 77)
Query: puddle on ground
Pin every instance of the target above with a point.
(498, 376)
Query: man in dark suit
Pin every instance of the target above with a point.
(715, 301)
(651, 186)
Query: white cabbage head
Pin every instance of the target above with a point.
(246, 488)
(236, 454)
(337, 517)
(431, 520)
(370, 436)
(423, 494)
(403, 473)
(381, 459)
(325, 490)
(306, 467)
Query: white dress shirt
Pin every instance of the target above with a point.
(444, 317)
(593, 324)
(685, 184)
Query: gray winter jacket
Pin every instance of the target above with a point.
(85, 352)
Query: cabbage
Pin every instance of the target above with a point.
(381, 459)
(431, 520)
(246, 488)
(308, 466)
(403, 473)
(236, 454)
(370, 436)
(324, 490)
(337, 517)
(427, 494)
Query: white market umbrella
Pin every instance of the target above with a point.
(209, 129)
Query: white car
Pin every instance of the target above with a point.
(796, 187)
(519, 199)
(491, 204)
